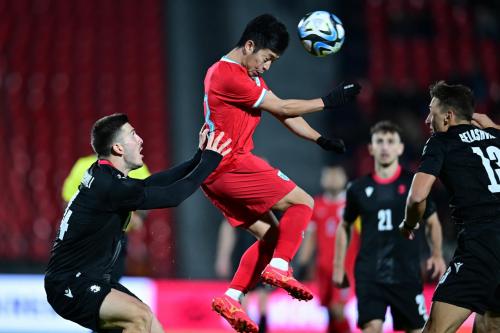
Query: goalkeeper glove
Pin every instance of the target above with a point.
(341, 94)
(337, 145)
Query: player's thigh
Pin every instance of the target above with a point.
(445, 318)
(120, 309)
(77, 298)
(471, 278)
(407, 304)
(296, 197)
(371, 304)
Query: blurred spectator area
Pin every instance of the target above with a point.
(397, 48)
(63, 64)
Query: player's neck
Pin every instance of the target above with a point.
(333, 196)
(119, 164)
(385, 172)
(235, 55)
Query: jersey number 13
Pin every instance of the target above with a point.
(492, 155)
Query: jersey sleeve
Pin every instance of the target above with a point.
(126, 194)
(351, 210)
(240, 90)
(432, 156)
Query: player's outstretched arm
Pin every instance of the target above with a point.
(177, 172)
(415, 203)
(172, 195)
(225, 245)
(342, 237)
(306, 251)
(340, 95)
(436, 262)
(300, 127)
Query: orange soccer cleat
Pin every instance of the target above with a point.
(232, 311)
(284, 279)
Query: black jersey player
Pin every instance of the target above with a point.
(78, 279)
(466, 159)
(387, 270)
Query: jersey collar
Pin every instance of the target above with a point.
(226, 59)
(384, 181)
(105, 162)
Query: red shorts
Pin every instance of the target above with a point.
(328, 293)
(247, 192)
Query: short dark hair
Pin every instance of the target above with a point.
(104, 132)
(457, 96)
(267, 33)
(386, 126)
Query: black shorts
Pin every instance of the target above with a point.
(472, 280)
(406, 301)
(79, 298)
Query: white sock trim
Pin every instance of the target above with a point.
(235, 294)
(279, 264)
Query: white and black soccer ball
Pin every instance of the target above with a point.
(321, 33)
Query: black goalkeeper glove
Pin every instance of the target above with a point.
(341, 94)
(337, 145)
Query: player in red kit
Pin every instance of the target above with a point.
(320, 239)
(245, 187)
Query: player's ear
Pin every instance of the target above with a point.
(401, 149)
(370, 149)
(450, 113)
(249, 47)
(117, 149)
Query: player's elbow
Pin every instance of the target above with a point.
(415, 198)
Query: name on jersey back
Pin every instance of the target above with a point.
(475, 135)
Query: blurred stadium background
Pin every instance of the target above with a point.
(65, 63)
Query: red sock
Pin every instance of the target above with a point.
(252, 263)
(336, 326)
(291, 227)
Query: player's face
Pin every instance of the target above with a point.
(258, 62)
(132, 146)
(437, 117)
(386, 147)
(333, 179)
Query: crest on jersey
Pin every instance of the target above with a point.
(369, 191)
(95, 288)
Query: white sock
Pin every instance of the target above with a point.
(279, 264)
(235, 294)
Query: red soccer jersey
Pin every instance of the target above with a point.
(326, 217)
(231, 105)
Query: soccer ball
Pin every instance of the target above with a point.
(321, 33)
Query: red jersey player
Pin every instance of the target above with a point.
(245, 187)
(320, 238)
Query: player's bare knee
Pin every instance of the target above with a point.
(142, 318)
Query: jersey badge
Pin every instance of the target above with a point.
(67, 293)
(402, 189)
(458, 265)
(369, 191)
(95, 288)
